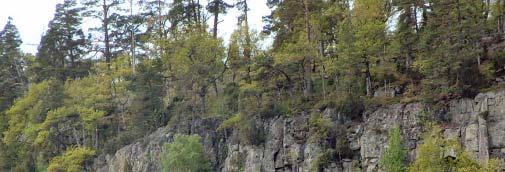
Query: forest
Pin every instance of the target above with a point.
(83, 94)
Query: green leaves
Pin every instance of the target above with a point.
(433, 156)
(12, 79)
(72, 160)
(185, 153)
(233, 122)
(194, 62)
(394, 159)
(29, 111)
(62, 46)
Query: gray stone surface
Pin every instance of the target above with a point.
(479, 124)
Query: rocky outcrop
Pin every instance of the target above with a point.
(479, 124)
(376, 126)
(144, 155)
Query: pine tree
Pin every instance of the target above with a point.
(450, 57)
(24, 119)
(186, 14)
(369, 24)
(11, 73)
(62, 47)
(217, 7)
(406, 34)
(156, 18)
(105, 11)
(196, 64)
(12, 83)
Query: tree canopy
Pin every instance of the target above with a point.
(152, 63)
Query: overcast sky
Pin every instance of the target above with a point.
(32, 16)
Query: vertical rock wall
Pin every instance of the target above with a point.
(479, 124)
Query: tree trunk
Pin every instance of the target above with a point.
(96, 137)
(368, 78)
(216, 18)
(323, 69)
(308, 59)
(248, 48)
(105, 23)
(203, 94)
(132, 63)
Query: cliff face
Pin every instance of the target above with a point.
(478, 123)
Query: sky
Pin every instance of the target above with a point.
(32, 17)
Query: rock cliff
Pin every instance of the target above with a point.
(353, 145)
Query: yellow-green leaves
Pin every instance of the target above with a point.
(185, 153)
(439, 154)
(89, 98)
(234, 122)
(28, 112)
(72, 160)
(197, 55)
(394, 159)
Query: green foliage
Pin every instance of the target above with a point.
(350, 105)
(249, 131)
(323, 160)
(273, 109)
(185, 153)
(321, 127)
(89, 97)
(11, 73)
(449, 61)
(431, 156)
(430, 153)
(73, 160)
(147, 111)
(163, 66)
(233, 122)
(195, 59)
(62, 47)
(394, 157)
(28, 112)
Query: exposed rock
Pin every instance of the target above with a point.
(479, 124)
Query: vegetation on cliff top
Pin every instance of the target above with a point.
(82, 96)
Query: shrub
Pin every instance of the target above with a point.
(272, 109)
(73, 160)
(249, 131)
(185, 153)
(430, 156)
(323, 160)
(350, 105)
(321, 127)
(395, 156)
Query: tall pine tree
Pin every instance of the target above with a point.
(11, 73)
(61, 49)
